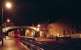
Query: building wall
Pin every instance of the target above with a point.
(59, 29)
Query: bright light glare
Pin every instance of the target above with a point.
(38, 29)
(38, 25)
(8, 20)
(8, 5)
(27, 31)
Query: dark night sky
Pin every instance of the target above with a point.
(40, 11)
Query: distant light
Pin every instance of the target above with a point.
(34, 28)
(38, 25)
(27, 31)
(38, 29)
(8, 20)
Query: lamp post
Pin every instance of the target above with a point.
(8, 5)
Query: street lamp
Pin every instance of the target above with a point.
(8, 5)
